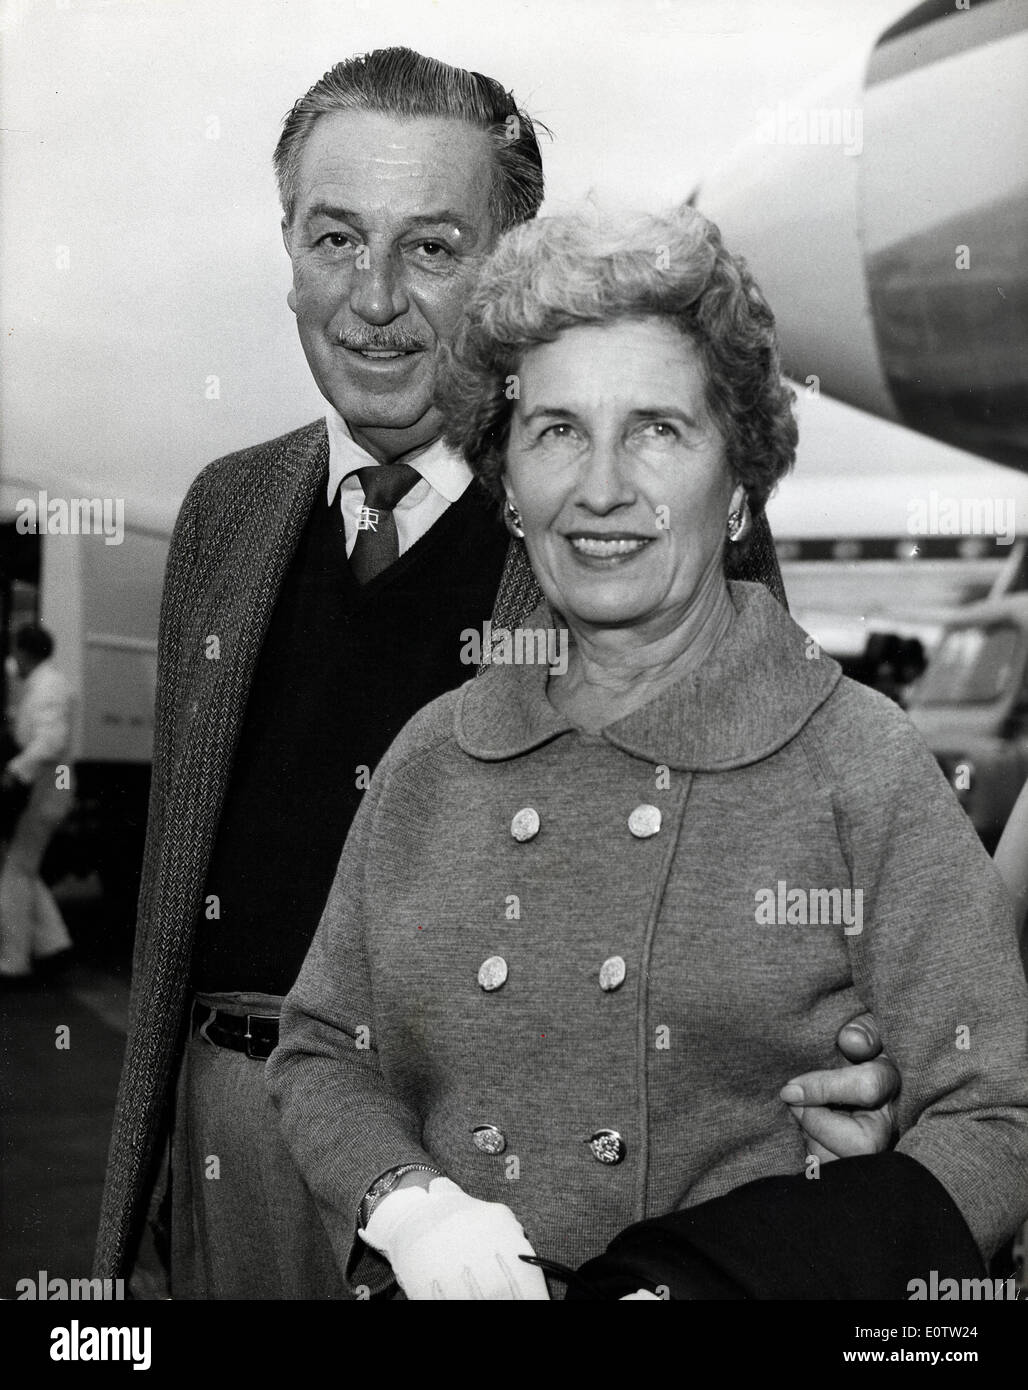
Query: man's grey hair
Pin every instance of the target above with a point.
(399, 82)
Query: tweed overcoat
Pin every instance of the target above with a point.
(235, 534)
(772, 775)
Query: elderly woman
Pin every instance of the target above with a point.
(588, 917)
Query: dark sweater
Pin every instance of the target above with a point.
(342, 669)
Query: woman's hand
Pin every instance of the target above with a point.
(444, 1244)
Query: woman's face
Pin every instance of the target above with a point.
(619, 474)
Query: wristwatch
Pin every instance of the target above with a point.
(382, 1186)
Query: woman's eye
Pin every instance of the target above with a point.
(659, 429)
(562, 431)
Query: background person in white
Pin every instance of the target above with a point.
(31, 926)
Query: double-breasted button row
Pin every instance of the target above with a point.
(606, 1145)
(493, 972)
(643, 822)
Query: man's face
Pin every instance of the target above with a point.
(391, 223)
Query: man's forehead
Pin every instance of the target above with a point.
(359, 157)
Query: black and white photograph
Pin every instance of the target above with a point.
(514, 669)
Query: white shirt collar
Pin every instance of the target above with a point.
(443, 469)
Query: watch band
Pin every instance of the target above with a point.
(382, 1186)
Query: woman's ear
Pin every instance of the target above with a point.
(511, 515)
(739, 518)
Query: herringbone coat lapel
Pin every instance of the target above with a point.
(235, 610)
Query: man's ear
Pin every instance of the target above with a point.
(291, 296)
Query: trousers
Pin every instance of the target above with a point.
(31, 925)
(243, 1223)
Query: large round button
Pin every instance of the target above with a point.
(644, 821)
(489, 1139)
(492, 973)
(612, 973)
(525, 825)
(607, 1146)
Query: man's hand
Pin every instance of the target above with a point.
(443, 1244)
(865, 1091)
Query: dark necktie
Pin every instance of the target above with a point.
(377, 544)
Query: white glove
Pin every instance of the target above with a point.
(640, 1294)
(444, 1244)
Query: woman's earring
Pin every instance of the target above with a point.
(739, 523)
(512, 520)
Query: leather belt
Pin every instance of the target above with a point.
(254, 1034)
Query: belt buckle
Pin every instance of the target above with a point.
(248, 1035)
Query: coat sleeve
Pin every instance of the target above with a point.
(342, 1122)
(937, 963)
(50, 736)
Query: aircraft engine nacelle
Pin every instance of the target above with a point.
(885, 215)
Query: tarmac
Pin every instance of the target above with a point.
(61, 1046)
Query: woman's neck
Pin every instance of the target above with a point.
(612, 671)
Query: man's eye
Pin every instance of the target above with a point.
(434, 250)
(339, 241)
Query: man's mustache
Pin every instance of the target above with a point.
(395, 340)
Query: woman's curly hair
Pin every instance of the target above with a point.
(560, 272)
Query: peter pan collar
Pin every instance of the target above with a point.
(748, 699)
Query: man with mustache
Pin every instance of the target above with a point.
(317, 587)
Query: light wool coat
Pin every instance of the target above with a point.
(767, 766)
